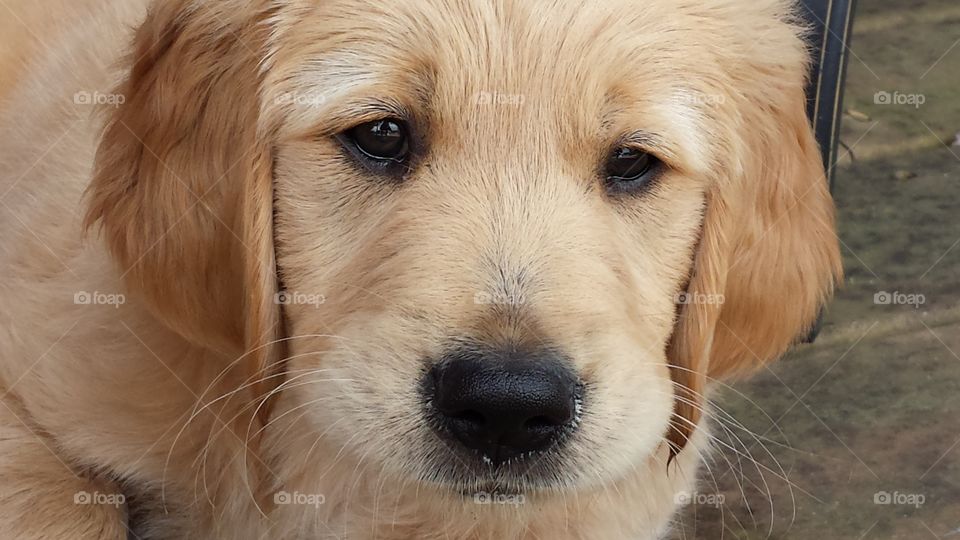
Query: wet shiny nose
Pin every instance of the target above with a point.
(505, 407)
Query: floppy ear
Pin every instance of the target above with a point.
(182, 183)
(768, 254)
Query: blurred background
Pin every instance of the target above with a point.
(858, 435)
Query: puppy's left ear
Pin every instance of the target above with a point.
(182, 184)
(769, 257)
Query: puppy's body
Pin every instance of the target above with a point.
(125, 369)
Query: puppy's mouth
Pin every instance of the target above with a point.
(544, 473)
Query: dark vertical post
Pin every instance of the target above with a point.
(830, 23)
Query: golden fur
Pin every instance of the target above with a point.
(212, 187)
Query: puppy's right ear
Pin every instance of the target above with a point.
(769, 250)
(182, 183)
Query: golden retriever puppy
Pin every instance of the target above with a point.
(302, 269)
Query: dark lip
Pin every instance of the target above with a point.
(466, 471)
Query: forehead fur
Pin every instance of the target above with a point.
(588, 72)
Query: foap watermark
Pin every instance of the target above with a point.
(685, 498)
(306, 99)
(284, 498)
(84, 97)
(897, 298)
(511, 499)
(699, 99)
(485, 298)
(699, 298)
(295, 298)
(97, 298)
(897, 98)
(915, 500)
(104, 499)
(499, 98)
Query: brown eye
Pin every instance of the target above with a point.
(629, 168)
(385, 141)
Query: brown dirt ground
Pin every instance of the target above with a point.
(874, 406)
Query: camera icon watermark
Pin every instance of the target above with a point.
(896, 98)
(915, 500)
(284, 498)
(686, 498)
(698, 298)
(501, 299)
(699, 99)
(103, 499)
(897, 298)
(97, 298)
(294, 298)
(304, 99)
(84, 97)
(499, 99)
(509, 499)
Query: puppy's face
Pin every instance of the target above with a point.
(497, 204)
(476, 219)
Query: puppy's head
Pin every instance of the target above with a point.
(503, 243)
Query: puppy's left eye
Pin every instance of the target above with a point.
(380, 144)
(629, 168)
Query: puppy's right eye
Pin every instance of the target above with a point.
(629, 170)
(381, 144)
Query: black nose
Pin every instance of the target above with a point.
(505, 406)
